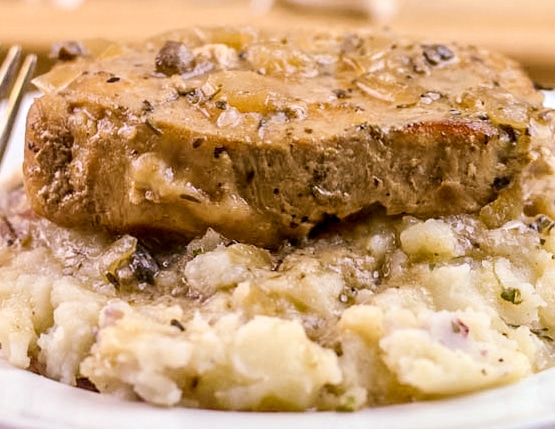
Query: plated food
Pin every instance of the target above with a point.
(233, 218)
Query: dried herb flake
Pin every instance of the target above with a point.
(512, 295)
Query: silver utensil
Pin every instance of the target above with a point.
(14, 80)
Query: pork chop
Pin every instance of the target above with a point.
(264, 135)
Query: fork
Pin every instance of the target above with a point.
(12, 86)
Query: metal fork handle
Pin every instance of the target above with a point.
(7, 72)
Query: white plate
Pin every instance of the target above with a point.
(31, 401)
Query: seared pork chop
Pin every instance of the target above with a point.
(263, 136)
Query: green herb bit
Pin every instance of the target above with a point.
(197, 252)
(542, 334)
(512, 295)
(348, 404)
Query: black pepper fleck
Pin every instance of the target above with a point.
(153, 128)
(147, 106)
(221, 104)
(177, 324)
(341, 93)
(262, 123)
(218, 150)
(189, 198)
(500, 183)
(32, 147)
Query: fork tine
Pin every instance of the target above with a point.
(16, 94)
(8, 68)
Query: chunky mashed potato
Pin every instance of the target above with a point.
(379, 311)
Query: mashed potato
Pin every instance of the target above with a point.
(380, 311)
